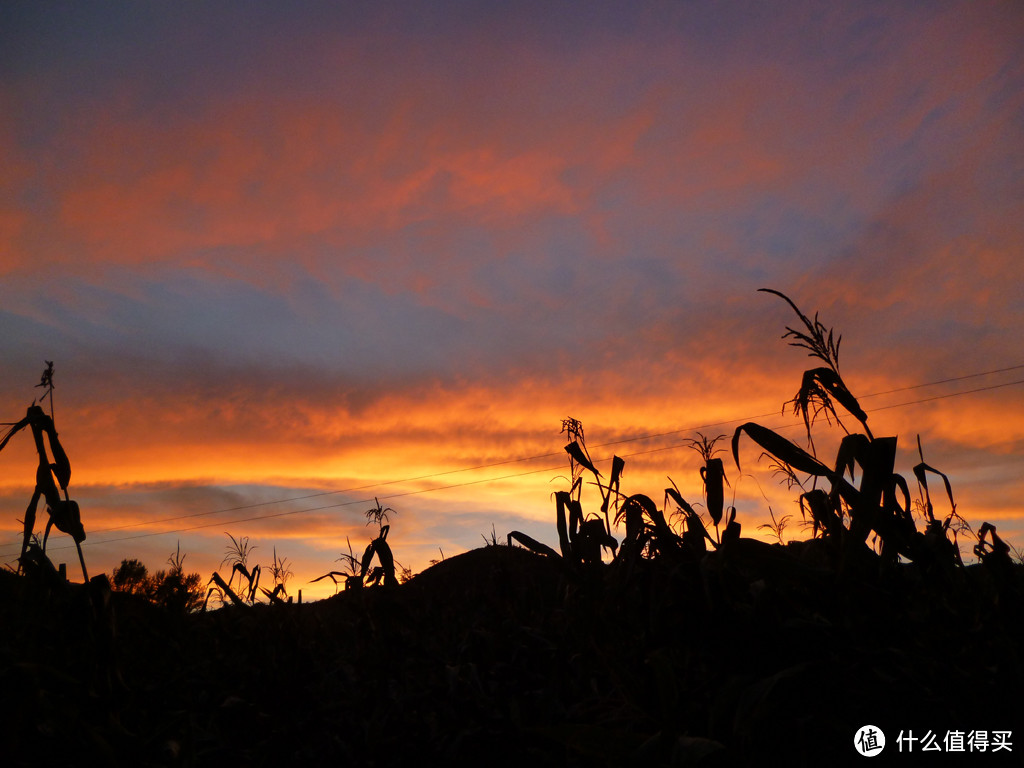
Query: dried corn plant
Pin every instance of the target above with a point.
(580, 538)
(280, 572)
(384, 573)
(379, 548)
(362, 572)
(349, 575)
(695, 532)
(820, 386)
(713, 476)
(379, 514)
(52, 476)
(237, 554)
(648, 534)
(776, 526)
(865, 497)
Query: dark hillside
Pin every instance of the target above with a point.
(744, 656)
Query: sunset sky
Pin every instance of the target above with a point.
(287, 257)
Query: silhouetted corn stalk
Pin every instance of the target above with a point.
(62, 512)
(237, 556)
(360, 573)
(776, 526)
(224, 589)
(713, 476)
(385, 572)
(579, 460)
(864, 488)
(695, 533)
(580, 539)
(350, 575)
(820, 386)
(280, 572)
(995, 551)
(648, 533)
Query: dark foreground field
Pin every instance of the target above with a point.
(753, 655)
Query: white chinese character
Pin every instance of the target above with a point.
(977, 741)
(954, 741)
(869, 740)
(909, 738)
(930, 743)
(1001, 740)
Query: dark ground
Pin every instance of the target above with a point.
(754, 656)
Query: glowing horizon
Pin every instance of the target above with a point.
(346, 247)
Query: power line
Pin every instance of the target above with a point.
(944, 381)
(637, 438)
(317, 509)
(950, 394)
(377, 498)
(505, 462)
(774, 413)
(484, 479)
(553, 454)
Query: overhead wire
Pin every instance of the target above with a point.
(947, 381)
(555, 454)
(506, 462)
(375, 499)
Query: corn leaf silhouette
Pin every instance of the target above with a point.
(673, 493)
(921, 473)
(531, 543)
(779, 447)
(618, 464)
(819, 387)
(824, 514)
(713, 475)
(576, 453)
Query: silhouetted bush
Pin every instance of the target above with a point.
(173, 589)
